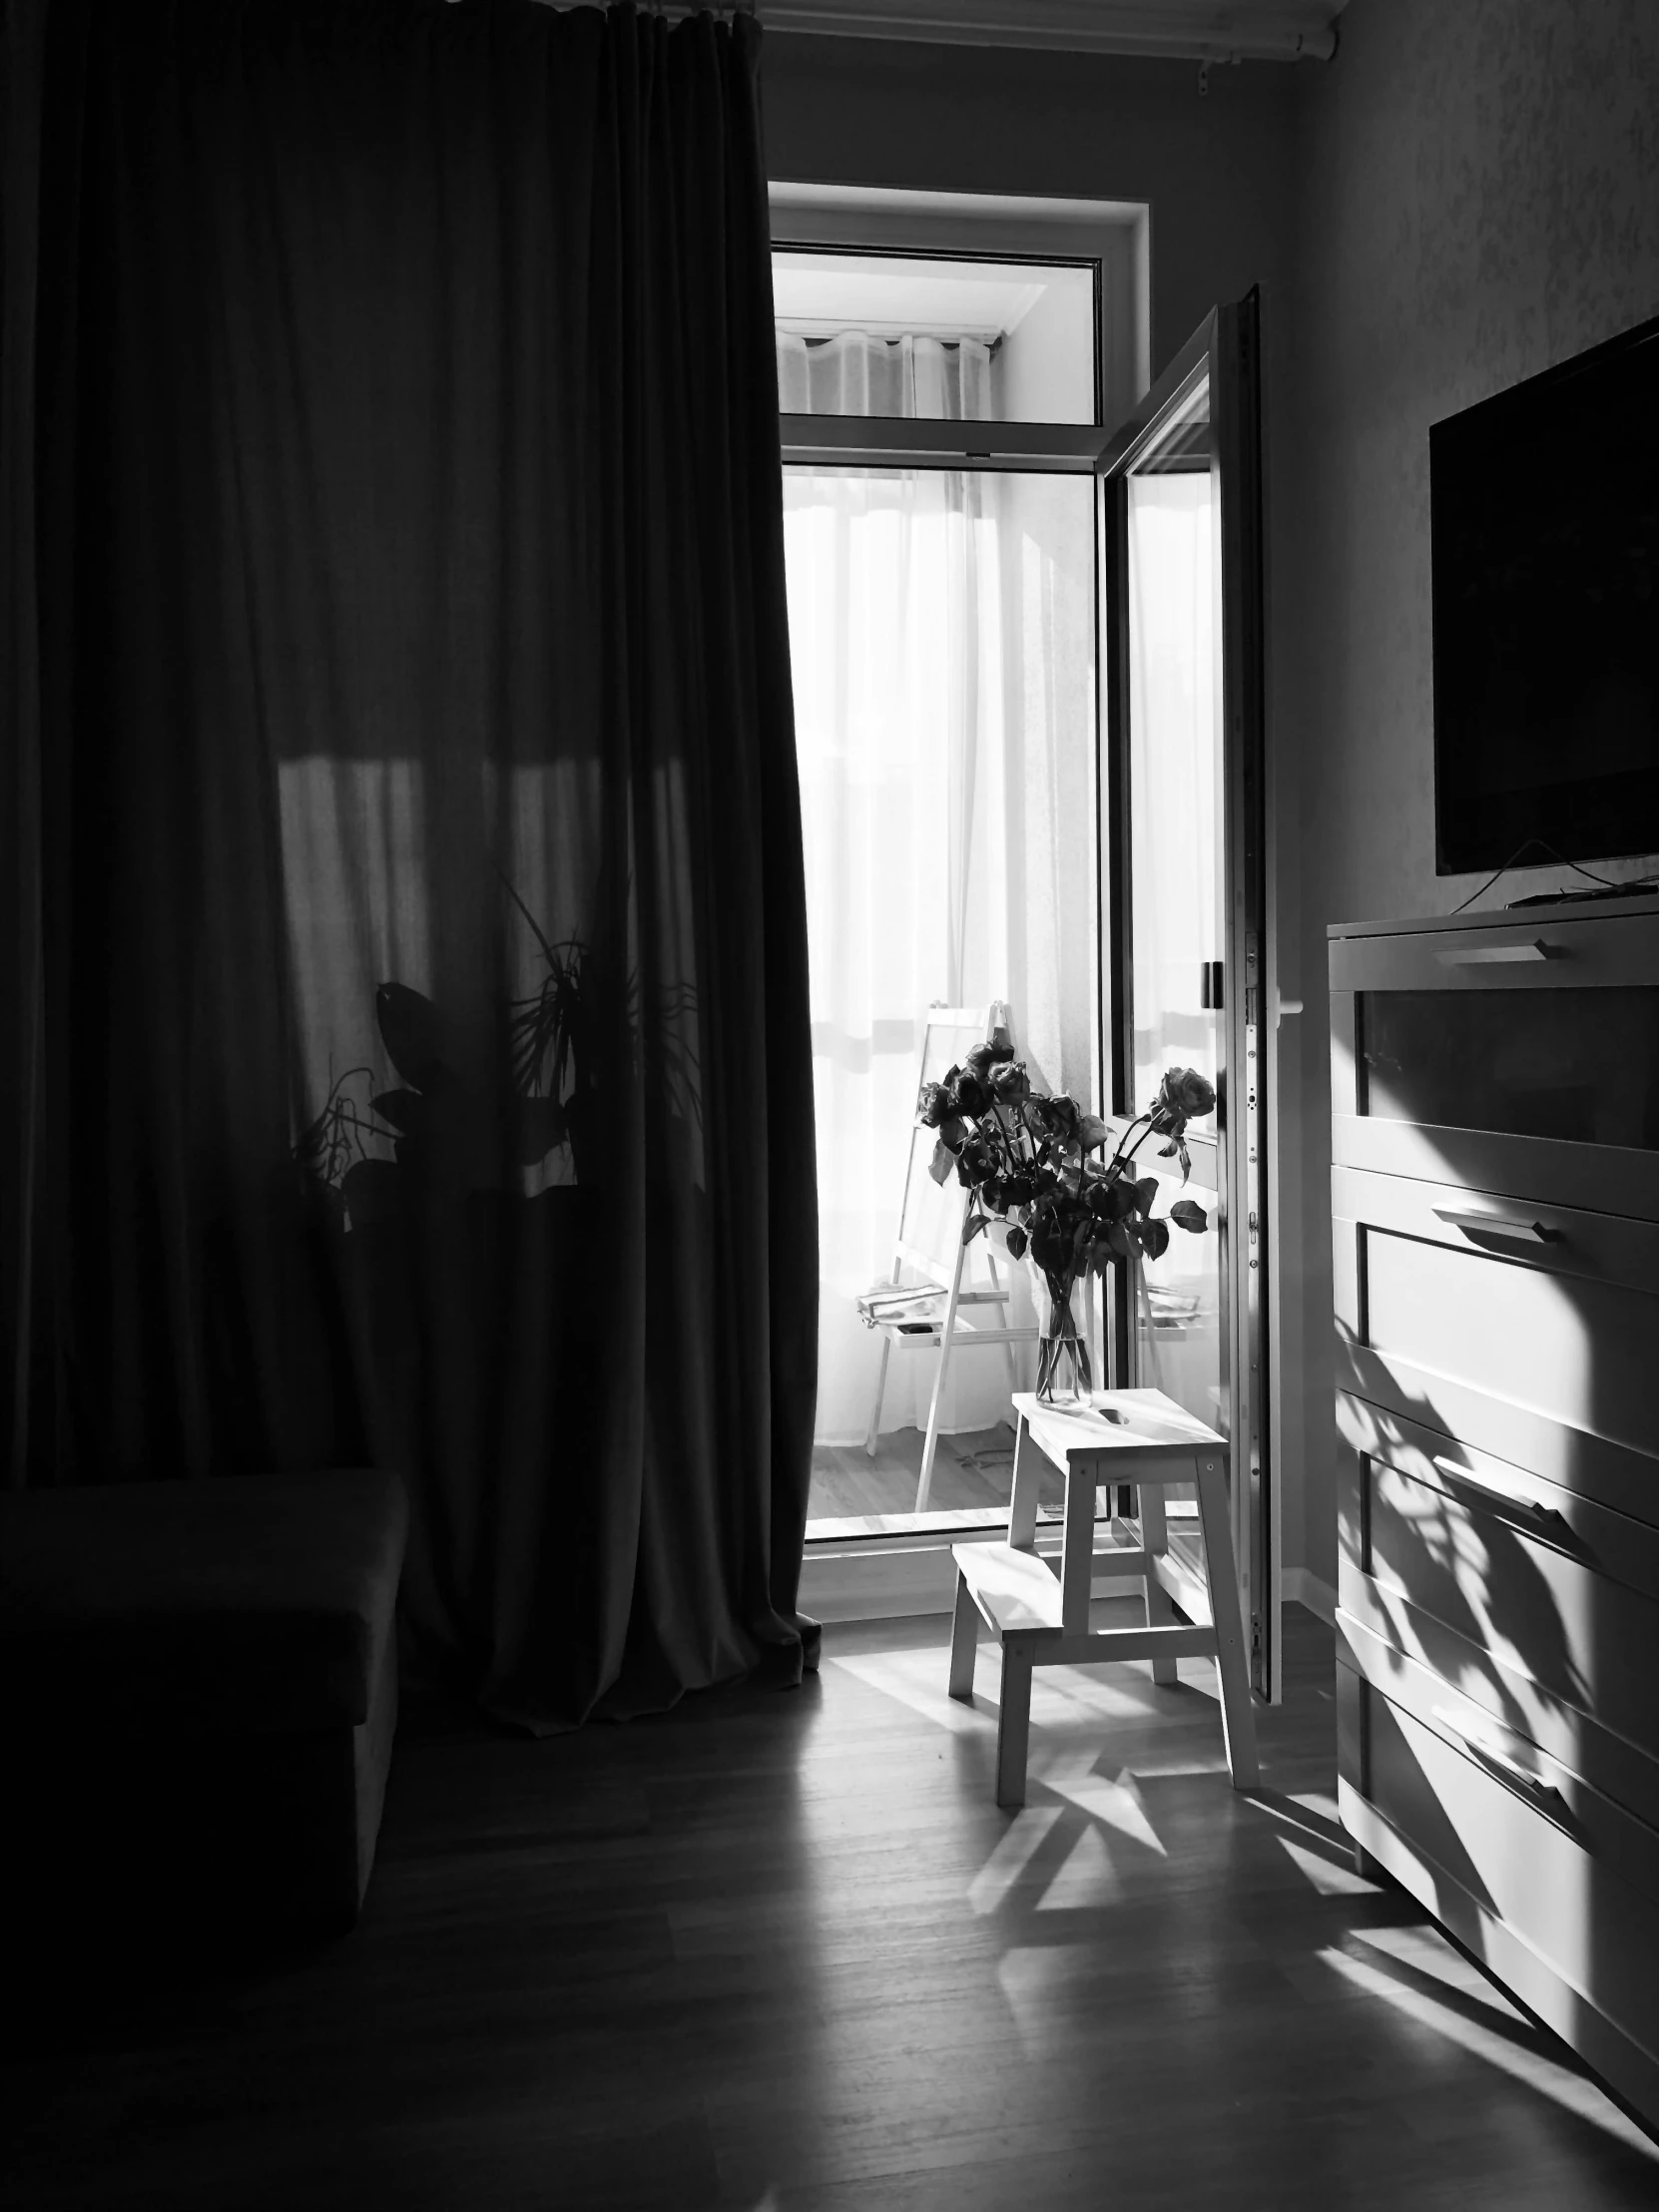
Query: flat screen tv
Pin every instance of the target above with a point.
(1545, 506)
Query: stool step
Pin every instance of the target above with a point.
(1012, 1589)
(1010, 1596)
(1053, 1647)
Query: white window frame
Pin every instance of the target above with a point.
(909, 1570)
(1111, 235)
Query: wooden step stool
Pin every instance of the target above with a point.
(1138, 1437)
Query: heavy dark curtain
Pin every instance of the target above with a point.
(405, 986)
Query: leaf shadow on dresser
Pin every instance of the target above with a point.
(1503, 1626)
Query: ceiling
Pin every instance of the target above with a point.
(1212, 30)
(819, 294)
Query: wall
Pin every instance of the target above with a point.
(1478, 194)
(1214, 167)
(1045, 369)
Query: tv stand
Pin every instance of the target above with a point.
(1562, 898)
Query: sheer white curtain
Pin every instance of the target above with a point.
(1174, 749)
(939, 628)
(857, 375)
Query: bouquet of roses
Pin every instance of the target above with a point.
(1030, 1164)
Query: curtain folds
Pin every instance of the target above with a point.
(407, 987)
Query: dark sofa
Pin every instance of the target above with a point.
(198, 1695)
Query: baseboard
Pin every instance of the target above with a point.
(1301, 1586)
(876, 1581)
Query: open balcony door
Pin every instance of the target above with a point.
(1186, 893)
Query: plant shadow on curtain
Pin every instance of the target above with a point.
(422, 1070)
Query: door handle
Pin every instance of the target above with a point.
(1543, 1794)
(1497, 1224)
(1209, 985)
(1495, 956)
(1517, 1500)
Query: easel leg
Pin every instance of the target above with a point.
(1002, 1322)
(873, 1435)
(1160, 1606)
(1232, 1664)
(964, 1641)
(948, 1338)
(1014, 1725)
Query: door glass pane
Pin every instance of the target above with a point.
(966, 340)
(943, 628)
(1173, 750)
(1175, 859)
(1579, 1065)
(1178, 1324)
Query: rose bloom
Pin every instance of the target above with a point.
(934, 1105)
(1186, 1093)
(972, 1096)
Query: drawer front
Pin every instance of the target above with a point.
(1513, 953)
(1586, 1640)
(1599, 1178)
(1521, 1057)
(1613, 1834)
(1561, 1240)
(1576, 1348)
(1534, 1854)
(1378, 1621)
(1591, 1643)
(1397, 1391)
(1587, 1535)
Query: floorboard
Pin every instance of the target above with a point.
(778, 1952)
(976, 1469)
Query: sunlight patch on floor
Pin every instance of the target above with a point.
(1570, 2090)
(1064, 1694)
(917, 1679)
(997, 1879)
(1116, 1803)
(1327, 1876)
(1086, 1880)
(1200, 1675)
(1320, 1802)
(1427, 1950)
(1153, 1766)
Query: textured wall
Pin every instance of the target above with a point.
(1478, 196)
(1214, 167)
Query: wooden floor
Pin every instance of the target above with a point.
(972, 1469)
(779, 1953)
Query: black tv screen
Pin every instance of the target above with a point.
(1544, 505)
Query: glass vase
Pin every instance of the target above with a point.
(1062, 1352)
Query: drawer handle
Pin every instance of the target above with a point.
(1494, 1756)
(1494, 955)
(1495, 1224)
(1518, 1501)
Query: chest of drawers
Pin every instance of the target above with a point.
(1495, 1211)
